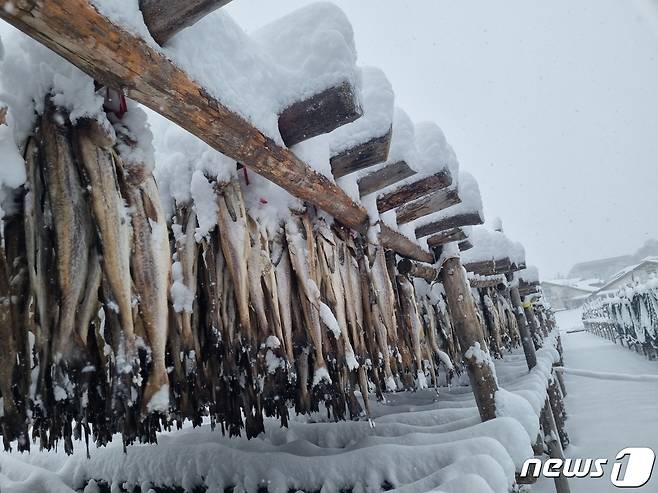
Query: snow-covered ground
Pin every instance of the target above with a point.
(605, 414)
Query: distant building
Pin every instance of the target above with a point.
(601, 269)
(565, 294)
(633, 274)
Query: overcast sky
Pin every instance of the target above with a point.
(553, 106)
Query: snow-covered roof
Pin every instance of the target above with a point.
(588, 285)
(492, 245)
(627, 270)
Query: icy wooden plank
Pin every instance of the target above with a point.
(412, 191)
(403, 246)
(456, 234)
(319, 114)
(164, 18)
(469, 219)
(429, 204)
(362, 156)
(384, 177)
(117, 58)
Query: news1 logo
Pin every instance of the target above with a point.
(639, 462)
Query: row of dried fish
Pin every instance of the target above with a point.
(115, 320)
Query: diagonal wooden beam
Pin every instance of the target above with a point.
(429, 204)
(412, 191)
(384, 177)
(164, 18)
(117, 58)
(402, 245)
(361, 156)
(468, 219)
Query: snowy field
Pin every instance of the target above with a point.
(606, 415)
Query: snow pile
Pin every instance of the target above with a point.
(491, 245)
(529, 275)
(377, 99)
(418, 444)
(313, 48)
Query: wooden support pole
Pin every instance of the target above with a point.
(429, 204)
(402, 245)
(459, 220)
(552, 441)
(362, 156)
(412, 191)
(462, 310)
(320, 114)
(117, 58)
(164, 18)
(559, 411)
(384, 177)
(533, 324)
(524, 330)
(415, 269)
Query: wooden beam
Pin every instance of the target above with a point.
(443, 237)
(468, 219)
(413, 191)
(320, 114)
(3, 115)
(164, 18)
(429, 204)
(465, 245)
(117, 58)
(486, 282)
(415, 269)
(490, 267)
(362, 156)
(403, 246)
(384, 177)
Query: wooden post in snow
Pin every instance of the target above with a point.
(551, 438)
(524, 330)
(464, 318)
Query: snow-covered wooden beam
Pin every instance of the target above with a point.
(412, 191)
(117, 58)
(455, 234)
(164, 18)
(429, 204)
(485, 281)
(457, 221)
(490, 267)
(465, 245)
(416, 269)
(362, 156)
(320, 114)
(403, 246)
(384, 177)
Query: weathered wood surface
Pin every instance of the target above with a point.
(429, 204)
(164, 18)
(3, 115)
(465, 245)
(384, 177)
(362, 156)
(466, 327)
(455, 234)
(490, 267)
(412, 191)
(403, 246)
(117, 58)
(319, 114)
(416, 269)
(485, 282)
(555, 451)
(469, 219)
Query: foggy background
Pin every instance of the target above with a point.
(553, 106)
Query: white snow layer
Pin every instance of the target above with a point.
(492, 245)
